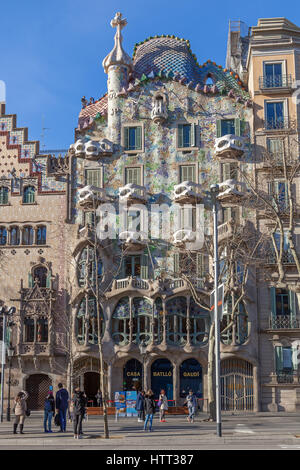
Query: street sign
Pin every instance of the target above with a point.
(220, 302)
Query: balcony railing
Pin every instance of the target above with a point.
(287, 258)
(288, 377)
(275, 81)
(282, 322)
(279, 123)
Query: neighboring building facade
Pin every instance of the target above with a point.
(166, 129)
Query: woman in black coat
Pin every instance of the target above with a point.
(149, 405)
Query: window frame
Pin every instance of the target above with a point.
(193, 136)
(123, 139)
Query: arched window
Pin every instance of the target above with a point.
(27, 236)
(158, 321)
(41, 274)
(42, 330)
(199, 323)
(29, 330)
(41, 235)
(29, 195)
(142, 317)
(238, 332)
(176, 320)
(87, 321)
(86, 268)
(14, 236)
(3, 236)
(120, 322)
(3, 195)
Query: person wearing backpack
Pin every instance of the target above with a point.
(79, 408)
(49, 410)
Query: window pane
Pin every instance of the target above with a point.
(227, 126)
(3, 195)
(93, 178)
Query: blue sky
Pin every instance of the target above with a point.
(52, 51)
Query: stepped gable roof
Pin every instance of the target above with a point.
(89, 112)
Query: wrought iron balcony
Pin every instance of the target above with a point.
(280, 123)
(282, 322)
(287, 258)
(288, 377)
(275, 81)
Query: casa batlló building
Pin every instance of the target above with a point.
(166, 129)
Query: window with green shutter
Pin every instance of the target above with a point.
(133, 138)
(186, 135)
(93, 177)
(3, 195)
(187, 173)
(202, 265)
(229, 171)
(133, 175)
(176, 262)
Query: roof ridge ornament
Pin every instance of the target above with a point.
(117, 56)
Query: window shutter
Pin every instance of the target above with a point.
(176, 262)
(273, 302)
(138, 138)
(219, 129)
(226, 167)
(292, 304)
(30, 281)
(295, 352)
(126, 138)
(237, 126)
(48, 280)
(193, 135)
(278, 359)
(180, 135)
(202, 265)
(144, 266)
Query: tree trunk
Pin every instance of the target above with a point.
(210, 374)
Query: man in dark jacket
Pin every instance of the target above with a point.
(79, 406)
(139, 406)
(149, 409)
(62, 404)
(49, 410)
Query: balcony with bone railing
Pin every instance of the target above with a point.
(229, 148)
(90, 197)
(133, 193)
(159, 112)
(133, 241)
(181, 238)
(232, 193)
(188, 192)
(92, 149)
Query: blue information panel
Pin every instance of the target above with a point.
(120, 403)
(130, 403)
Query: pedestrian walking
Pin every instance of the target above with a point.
(140, 405)
(49, 410)
(191, 402)
(162, 405)
(79, 403)
(149, 405)
(98, 397)
(20, 410)
(62, 404)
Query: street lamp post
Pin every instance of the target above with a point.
(214, 189)
(10, 353)
(143, 352)
(4, 314)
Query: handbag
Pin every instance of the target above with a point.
(27, 412)
(57, 420)
(159, 403)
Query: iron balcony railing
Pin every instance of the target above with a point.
(276, 123)
(287, 258)
(281, 322)
(275, 81)
(287, 377)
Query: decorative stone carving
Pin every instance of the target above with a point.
(159, 111)
(117, 56)
(91, 150)
(90, 197)
(188, 192)
(232, 192)
(229, 147)
(132, 194)
(133, 241)
(58, 166)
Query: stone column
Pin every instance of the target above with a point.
(109, 384)
(256, 389)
